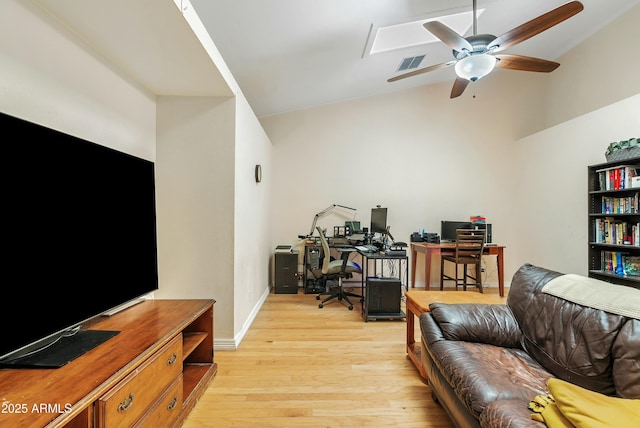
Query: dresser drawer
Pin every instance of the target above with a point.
(126, 402)
(164, 412)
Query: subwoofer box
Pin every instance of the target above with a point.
(383, 295)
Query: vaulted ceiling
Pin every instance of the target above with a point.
(292, 54)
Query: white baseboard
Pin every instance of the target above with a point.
(228, 344)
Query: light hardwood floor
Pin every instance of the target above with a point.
(302, 366)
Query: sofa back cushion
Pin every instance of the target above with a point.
(578, 344)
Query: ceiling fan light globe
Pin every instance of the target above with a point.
(475, 67)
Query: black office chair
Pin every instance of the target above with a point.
(336, 269)
(469, 248)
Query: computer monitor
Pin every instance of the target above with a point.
(448, 229)
(378, 220)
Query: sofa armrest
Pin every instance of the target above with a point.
(492, 324)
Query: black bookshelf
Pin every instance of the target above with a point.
(614, 222)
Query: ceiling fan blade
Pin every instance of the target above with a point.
(525, 63)
(422, 71)
(449, 37)
(458, 87)
(535, 26)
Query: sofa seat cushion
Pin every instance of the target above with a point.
(481, 373)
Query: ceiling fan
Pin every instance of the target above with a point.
(475, 55)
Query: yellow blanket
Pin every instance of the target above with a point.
(569, 406)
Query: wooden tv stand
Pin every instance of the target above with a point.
(151, 374)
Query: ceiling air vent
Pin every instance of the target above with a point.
(410, 63)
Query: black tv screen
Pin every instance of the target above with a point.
(79, 233)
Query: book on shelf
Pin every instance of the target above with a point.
(619, 177)
(621, 205)
(608, 230)
(620, 263)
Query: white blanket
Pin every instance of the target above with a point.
(617, 299)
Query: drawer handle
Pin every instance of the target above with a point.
(126, 404)
(172, 359)
(173, 403)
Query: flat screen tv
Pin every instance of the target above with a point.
(79, 239)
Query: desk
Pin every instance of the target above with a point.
(430, 250)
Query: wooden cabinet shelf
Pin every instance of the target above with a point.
(195, 381)
(614, 222)
(190, 341)
(151, 374)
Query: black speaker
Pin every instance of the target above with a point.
(383, 295)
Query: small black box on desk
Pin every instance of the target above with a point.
(432, 238)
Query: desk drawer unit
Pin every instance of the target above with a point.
(126, 402)
(285, 278)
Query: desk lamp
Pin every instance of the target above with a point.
(325, 211)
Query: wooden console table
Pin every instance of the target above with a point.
(430, 250)
(418, 302)
(150, 374)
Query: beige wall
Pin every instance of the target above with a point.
(252, 232)
(550, 196)
(416, 152)
(428, 158)
(195, 187)
(90, 100)
(213, 218)
(600, 71)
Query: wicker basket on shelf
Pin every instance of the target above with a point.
(621, 150)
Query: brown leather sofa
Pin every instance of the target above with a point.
(487, 362)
